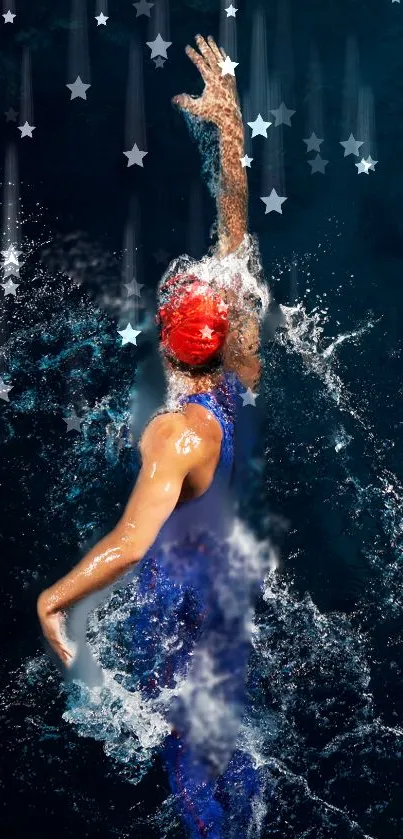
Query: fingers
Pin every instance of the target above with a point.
(199, 61)
(52, 629)
(206, 51)
(214, 48)
(65, 654)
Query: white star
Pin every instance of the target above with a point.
(134, 288)
(313, 143)
(129, 335)
(159, 47)
(9, 287)
(273, 202)
(4, 390)
(248, 397)
(73, 422)
(101, 19)
(351, 146)
(11, 269)
(231, 11)
(222, 307)
(143, 8)
(206, 332)
(363, 166)
(9, 17)
(282, 115)
(78, 88)
(372, 163)
(11, 254)
(227, 66)
(246, 161)
(135, 156)
(259, 126)
(26, 129)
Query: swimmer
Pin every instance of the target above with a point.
(209, 332)
(172, 472)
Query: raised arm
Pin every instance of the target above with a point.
(219, 104)
(165, 463)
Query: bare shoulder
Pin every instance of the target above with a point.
(173, 436)
(176, 434)
(163, 430)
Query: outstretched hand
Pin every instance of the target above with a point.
(219, 100)
(52, 625)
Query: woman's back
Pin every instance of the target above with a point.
(195, 592)
(205, 500)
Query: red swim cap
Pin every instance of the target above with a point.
(194, 321)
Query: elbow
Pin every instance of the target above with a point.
(127, 546)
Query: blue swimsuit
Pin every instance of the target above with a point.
(190, 642)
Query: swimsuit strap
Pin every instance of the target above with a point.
(221, 402)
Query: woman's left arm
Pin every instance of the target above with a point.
(152, 500)
(219, 104)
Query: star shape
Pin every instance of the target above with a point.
(9, 287)
(248, 397)
(134, 288)
(9, 17)
(135, 156)
(273, 202)
(351, 146)
(78, 88)
(73, 422)
(26, 129)
(395, 1)
(372, 163)
(129, 335)
(283, 115)
(11, 269)
(159, 47)
(246, 161)
(159, 62)
(4, 390)
(259, 126)
(161, 256)
(227, 66)
(364, 166)
(11, 254)
(318, 164)
(313, 143)
(231, 11)
(11, 115)
(143, 8)
(206, 332)
(101, 19)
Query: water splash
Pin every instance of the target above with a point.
(316, 724)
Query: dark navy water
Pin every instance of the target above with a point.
(325, 711)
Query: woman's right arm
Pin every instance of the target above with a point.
(154, 497)
(242, 347)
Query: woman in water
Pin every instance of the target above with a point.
(189, 644)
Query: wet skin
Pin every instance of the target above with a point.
(180, 451)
